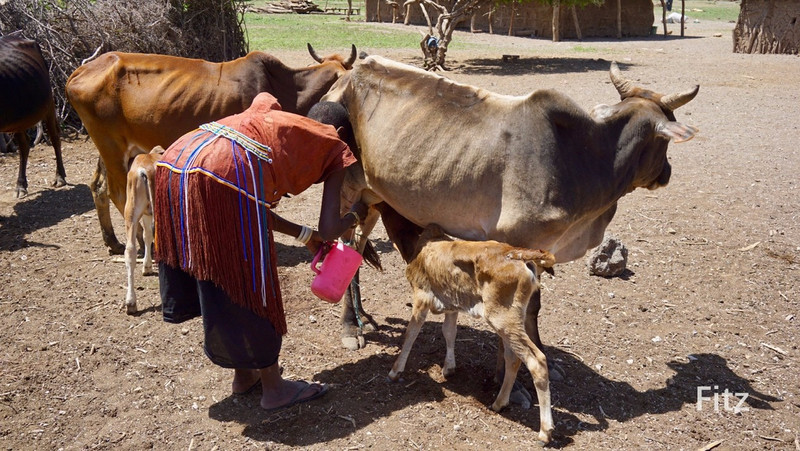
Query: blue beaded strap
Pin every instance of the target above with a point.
(249, 144)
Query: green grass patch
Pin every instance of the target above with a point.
(705, 10)
(325, 32)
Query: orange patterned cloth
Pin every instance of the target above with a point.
(214, 186)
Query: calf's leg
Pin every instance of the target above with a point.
(519, 348)
(418, 313)
(449, 331)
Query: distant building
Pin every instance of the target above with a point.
(534, 18)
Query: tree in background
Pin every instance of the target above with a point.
(434, 44)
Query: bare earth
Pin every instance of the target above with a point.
(711, 298)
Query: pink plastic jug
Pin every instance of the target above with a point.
(337, 270)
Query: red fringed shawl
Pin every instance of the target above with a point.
(215, 185)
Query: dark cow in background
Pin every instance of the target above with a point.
(534, 171)
(129, 102)
(26, 98)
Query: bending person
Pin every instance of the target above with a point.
(214, 190)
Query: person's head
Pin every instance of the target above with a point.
(334, 114)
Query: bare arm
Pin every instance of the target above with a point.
(331, 225)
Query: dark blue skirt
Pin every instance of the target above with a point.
(235, 337)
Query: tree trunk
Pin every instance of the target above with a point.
(664, 16)
(511, 19)
(556, 21)
(683, 16)
(619, 19)
(577, 24)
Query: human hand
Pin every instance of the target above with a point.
(361, 209)
(315, 242)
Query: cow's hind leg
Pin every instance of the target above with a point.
(99, 188)
(51, 127)
(24, 150)
(352, 310)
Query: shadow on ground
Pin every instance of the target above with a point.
(40, 211)
(580, 393)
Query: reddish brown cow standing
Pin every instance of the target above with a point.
(130, 101)
(27, 98)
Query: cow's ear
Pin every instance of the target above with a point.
(676, 131)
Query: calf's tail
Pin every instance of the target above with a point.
(543, 259)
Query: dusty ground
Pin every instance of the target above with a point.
(711, 297)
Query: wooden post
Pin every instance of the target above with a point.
(683, 15)
(619, 19)
(664, 16)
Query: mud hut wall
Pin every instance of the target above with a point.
(768, 26)
(534, 19)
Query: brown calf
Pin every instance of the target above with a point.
(139, 207)
(487, 279)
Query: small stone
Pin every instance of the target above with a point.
(609, 259)
(184, 331)
(656, 339)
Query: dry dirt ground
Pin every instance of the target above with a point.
(711, 296)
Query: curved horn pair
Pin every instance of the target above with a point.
(671, 102)
(348, 63)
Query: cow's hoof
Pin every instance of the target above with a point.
(354, 343)
(520, 395)
(59, 182)
(130, 309)
(556, 373)
(149, 272)
(21, 192)
(116, 249)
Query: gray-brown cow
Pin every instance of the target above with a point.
(534, 171)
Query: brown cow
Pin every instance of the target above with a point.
(130, 101)
(27, 99)
(487, 279)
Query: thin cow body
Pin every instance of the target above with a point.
(535, 171)
(131, 101)
(486, 279)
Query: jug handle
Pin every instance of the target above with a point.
(322, 250)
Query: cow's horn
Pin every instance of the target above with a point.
(352, 59)
(674, 101)
(313, 53)
(623, 85)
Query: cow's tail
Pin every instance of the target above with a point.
(540, 258)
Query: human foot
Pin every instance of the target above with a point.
(302, 391)
(245, 381)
